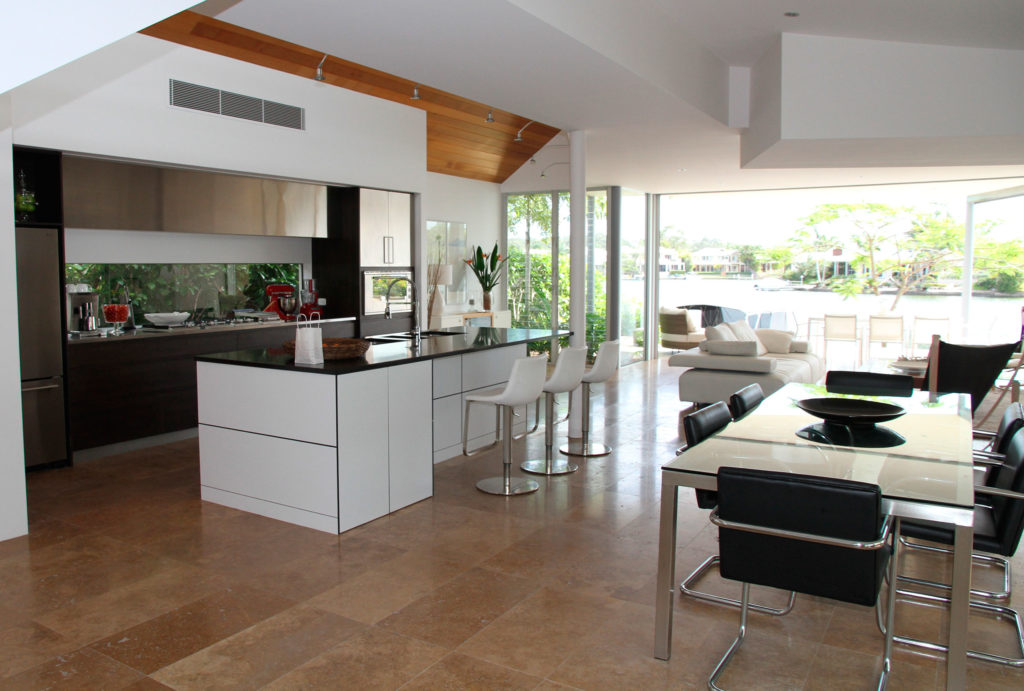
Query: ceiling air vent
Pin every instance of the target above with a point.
(210, 100)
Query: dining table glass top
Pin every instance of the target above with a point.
(934, 464)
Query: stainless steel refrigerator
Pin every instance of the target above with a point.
(40, 333)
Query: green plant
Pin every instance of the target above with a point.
(487, 267)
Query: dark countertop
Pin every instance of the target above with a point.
(389, 354)
(147, 333)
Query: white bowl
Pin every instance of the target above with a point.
(167, 318)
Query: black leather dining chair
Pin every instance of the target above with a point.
(998, 525)
(868, 383)
(807, 534)
(971, 369)
(745, 400)
(697, 427)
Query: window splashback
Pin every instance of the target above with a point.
(205, 290)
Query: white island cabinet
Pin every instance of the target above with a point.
(327, 452)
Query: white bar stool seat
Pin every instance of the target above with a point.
(605, 365)
(524, 387)
(567, 376)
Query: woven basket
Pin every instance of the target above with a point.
(338, 348)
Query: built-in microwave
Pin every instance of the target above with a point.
(375, 288)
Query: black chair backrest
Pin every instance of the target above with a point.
(1013, 420)
(745, 400)
(702, 424)
(807, 504)
(869, 383)
(1008, 513)
(969, 368)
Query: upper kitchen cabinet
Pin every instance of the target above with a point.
(385, 228)
(37, 187)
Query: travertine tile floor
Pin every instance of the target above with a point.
(128, 580)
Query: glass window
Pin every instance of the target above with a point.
(204, 290)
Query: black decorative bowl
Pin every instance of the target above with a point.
(850, 411)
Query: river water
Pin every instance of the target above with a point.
(993, 319)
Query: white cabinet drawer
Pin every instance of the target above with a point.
(410, 465)
(280, 471)
(293, 405)
(489, 367)
(447, 376)
(363, 449)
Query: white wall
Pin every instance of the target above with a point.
(765, 107)
(13, 510)
(97, 105)
(844, 87)
(38, 37)
(473, 202)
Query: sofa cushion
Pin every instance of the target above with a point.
(740, 348)
(693, 321)
(741, 329)
(774, 340)
(719, 332)
(799, 347)
(696, 358)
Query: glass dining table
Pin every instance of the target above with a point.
(928, 475)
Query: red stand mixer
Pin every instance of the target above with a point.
(282, 300)
(310, 300)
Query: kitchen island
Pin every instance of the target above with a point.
(335, 445)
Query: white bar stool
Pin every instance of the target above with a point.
(523, 388)
(605, 365)
(567, 376)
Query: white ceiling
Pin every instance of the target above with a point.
(581, 71)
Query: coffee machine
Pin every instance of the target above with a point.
(83, 308)
(310, 300)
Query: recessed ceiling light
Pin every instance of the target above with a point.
(790, 14)
(681, 170)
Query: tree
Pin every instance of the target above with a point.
(529, 210)
(999, 265)
(813, 238)
(933, 244)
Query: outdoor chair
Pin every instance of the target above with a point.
(843, 328)
(998, 524)
(885, 329)
(923, 330)
(818, 536)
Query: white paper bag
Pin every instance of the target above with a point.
(309, 343)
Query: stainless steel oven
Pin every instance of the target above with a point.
(375, 287)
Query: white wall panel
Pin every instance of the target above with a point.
(13, 509)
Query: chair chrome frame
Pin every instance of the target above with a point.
(890, 530)
(686, 588)
(998, 610)
(980, 559)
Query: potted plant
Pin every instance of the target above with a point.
(487, 268)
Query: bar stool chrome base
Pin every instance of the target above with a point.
(549, 466)
(585, 448)
(507, 487)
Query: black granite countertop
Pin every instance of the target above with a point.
(389, 354)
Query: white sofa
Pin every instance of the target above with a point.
(726, 362)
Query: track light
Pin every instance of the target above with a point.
(415, 94)
(490, 116)
(319, 76)
(519, 134)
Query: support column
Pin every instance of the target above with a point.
(577, 250)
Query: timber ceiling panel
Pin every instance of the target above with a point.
(459, 141)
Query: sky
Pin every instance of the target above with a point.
(769, 218)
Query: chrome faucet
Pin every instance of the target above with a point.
(411, 301)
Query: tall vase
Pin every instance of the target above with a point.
(487, 301)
